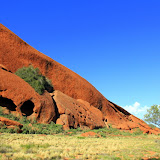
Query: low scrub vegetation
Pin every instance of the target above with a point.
(32, 127)
(105, 132)
(29, 127)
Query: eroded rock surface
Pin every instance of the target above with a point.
(15, 53)
(17, 96)
(76, 113)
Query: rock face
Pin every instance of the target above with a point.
(9, 122)
(20, 98)
(15, 53)
(77, 113)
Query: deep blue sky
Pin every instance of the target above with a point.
(114, 44)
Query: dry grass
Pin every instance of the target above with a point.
(21, 146)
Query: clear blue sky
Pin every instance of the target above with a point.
(114, 44)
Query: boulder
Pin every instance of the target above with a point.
(9, 122)
(90, 134)
(76, 113)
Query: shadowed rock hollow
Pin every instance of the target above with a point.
(15, 53)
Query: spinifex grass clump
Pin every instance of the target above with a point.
(105, 132)
(30, 127)
(38, 128)
(33, 76)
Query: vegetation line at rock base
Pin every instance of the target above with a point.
(32, 127)
(49, 141)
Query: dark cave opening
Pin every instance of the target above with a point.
(27, 108)
(8, 103)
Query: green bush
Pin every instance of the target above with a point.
(33, 76)
(137, 132)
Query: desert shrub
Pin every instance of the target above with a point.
(5, 149)
(152, 126)
(33, 76)
(4, 129)
(114, 131)
(105, 130)
(137, 132)
(81, 137)
(1, 111)
(51, 128)
(37, 128)
(74, 131)
(9, 116)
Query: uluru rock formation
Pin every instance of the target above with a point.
(15, 53)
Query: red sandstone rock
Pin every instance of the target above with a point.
(63, 79)
(9, 122)
(74, 113)
(4, 68)
(157, 129)
(15, 53)
(18, 96)
(1, 124)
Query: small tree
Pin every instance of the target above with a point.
(33, 76)
(153, 115)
